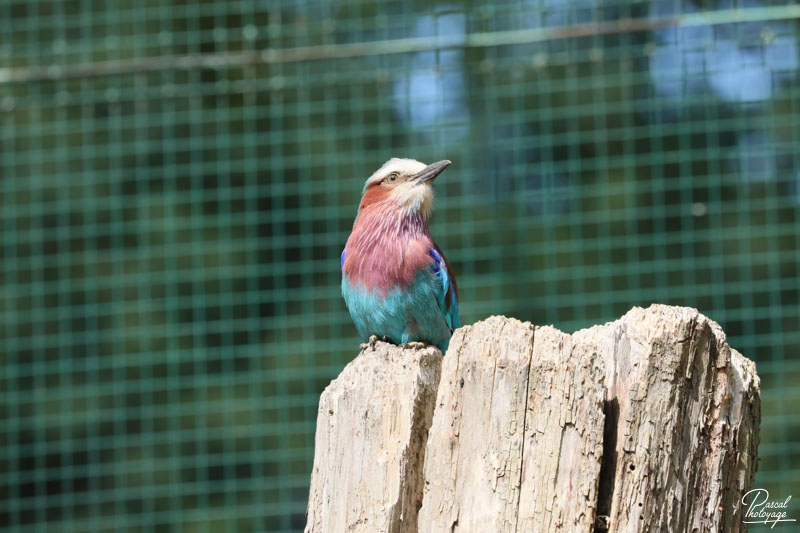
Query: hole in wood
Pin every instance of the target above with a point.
(608, 467)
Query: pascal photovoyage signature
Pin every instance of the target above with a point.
(759, 509)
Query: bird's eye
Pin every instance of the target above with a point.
(392, 177)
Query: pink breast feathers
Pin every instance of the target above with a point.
(386, 249)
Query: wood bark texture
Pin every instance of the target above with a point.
(372, 425)
(516, 441)
(648, 423)
(685, 411)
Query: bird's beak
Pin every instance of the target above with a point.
(430, 172)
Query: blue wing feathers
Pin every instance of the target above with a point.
(344, 254)
(447, 297)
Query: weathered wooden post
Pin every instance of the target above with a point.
(648, 423)
(372, 425)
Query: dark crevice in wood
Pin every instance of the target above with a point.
(608, 468)
(524, 426)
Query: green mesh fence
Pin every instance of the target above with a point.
(178, 179)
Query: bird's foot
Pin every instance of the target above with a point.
(371, 342)
(414, 345)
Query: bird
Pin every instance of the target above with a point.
(396, 282)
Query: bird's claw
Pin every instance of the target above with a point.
(371, 342)
(414, 345)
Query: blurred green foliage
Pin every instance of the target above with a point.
(177, 180)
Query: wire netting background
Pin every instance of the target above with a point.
(178, 179)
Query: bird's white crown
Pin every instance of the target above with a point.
(404, 167)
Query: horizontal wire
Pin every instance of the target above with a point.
(218, 60)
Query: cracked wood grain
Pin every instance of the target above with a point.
(372, 425)
(472, 480)
(518, 445)
(688, 405)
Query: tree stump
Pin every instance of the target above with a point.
(648, 423)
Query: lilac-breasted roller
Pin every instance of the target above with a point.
(396, 281)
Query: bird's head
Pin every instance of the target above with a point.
(406, 184)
